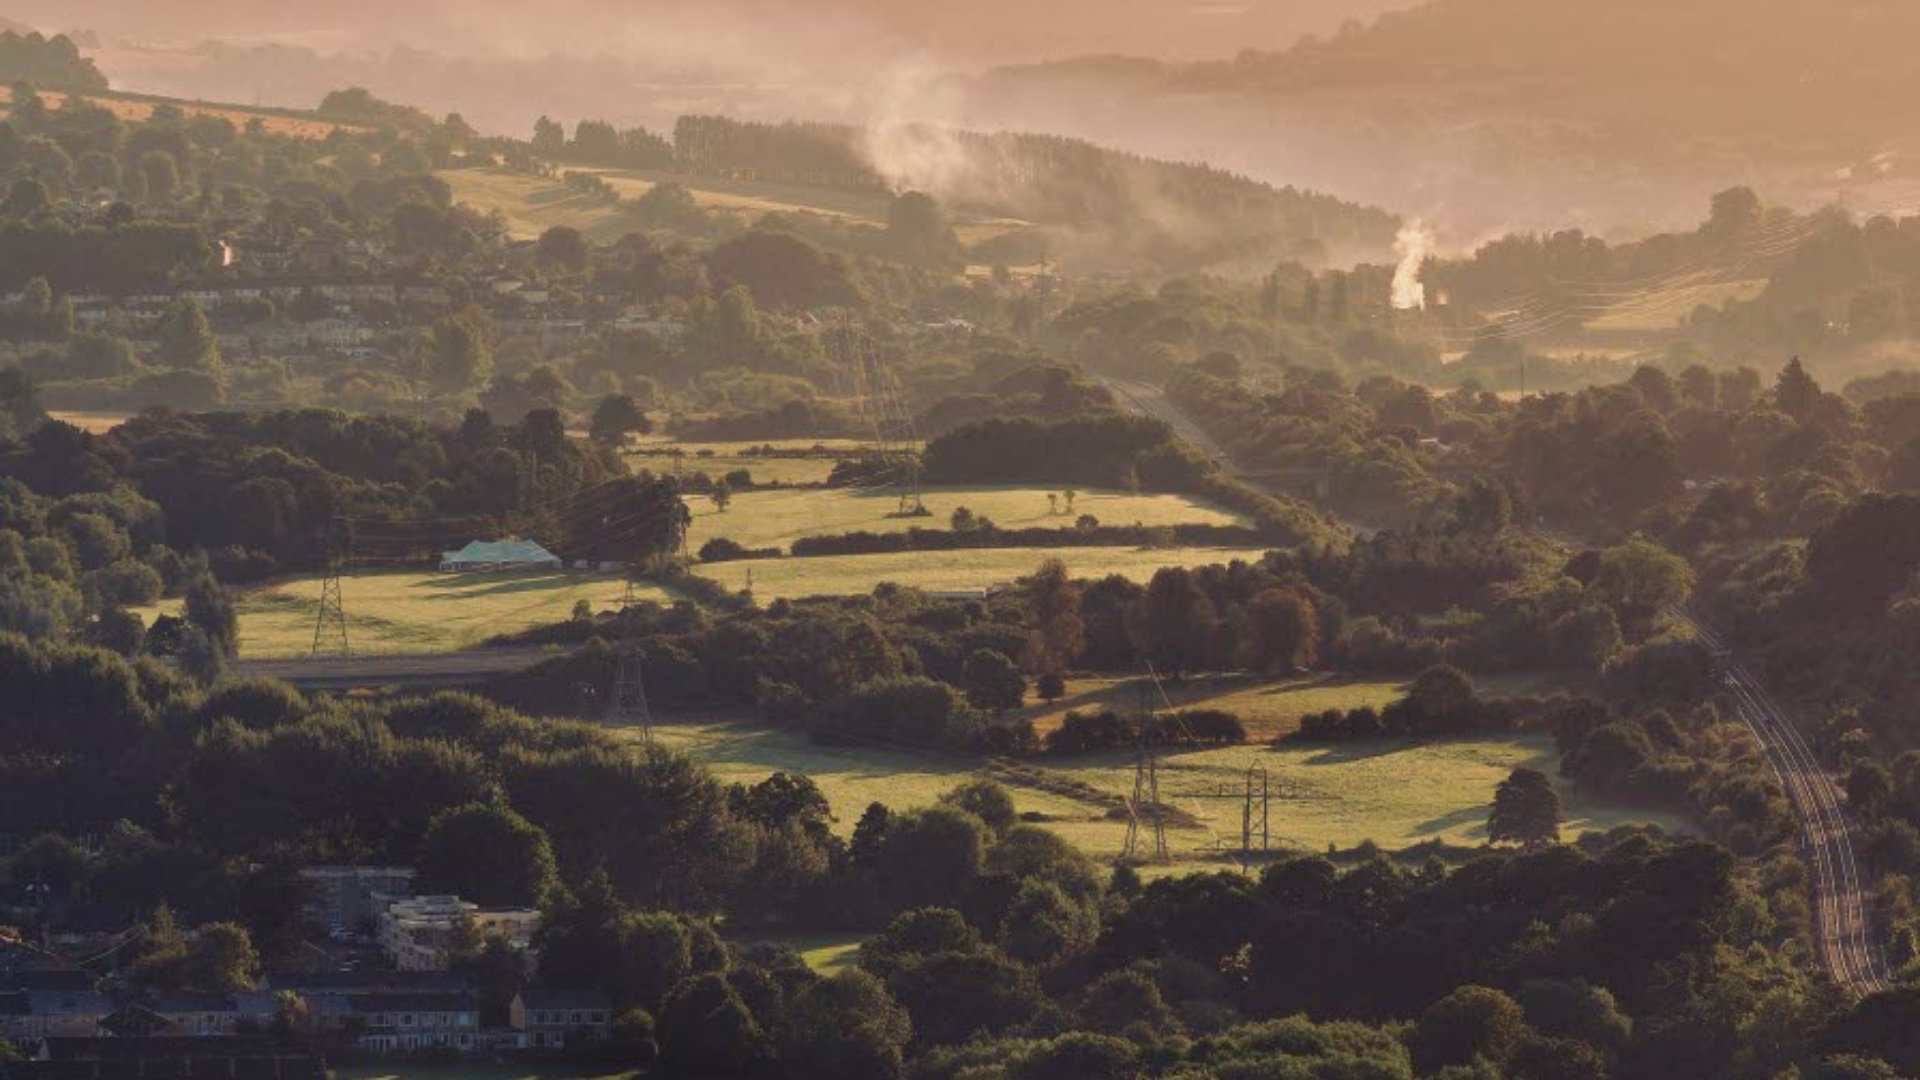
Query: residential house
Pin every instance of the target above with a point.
(381, 1011)
(408, 1022)
(557, 1019)
(342, 898)
(190, 1013)
(31, 1015)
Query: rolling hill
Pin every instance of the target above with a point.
(1501, 113)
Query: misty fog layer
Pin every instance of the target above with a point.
(1475, 115)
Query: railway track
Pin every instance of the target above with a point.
(1843, 932)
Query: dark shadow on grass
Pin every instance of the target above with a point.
(1348, 753)
(499, 584)
(1470, 816)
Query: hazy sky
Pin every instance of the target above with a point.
(988, 30)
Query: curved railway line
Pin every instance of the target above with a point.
(1843, 931)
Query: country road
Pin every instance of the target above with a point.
(1147, 400)
(1842, 930)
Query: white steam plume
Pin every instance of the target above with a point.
(1414, 245)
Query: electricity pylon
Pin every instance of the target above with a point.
(330, 626)
(627, 702)
(877, 393)
(1146, 795)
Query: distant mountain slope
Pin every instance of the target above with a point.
(1493, 112)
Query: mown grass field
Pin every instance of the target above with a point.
(135, 109)
(416, 612)
(533, 204)
(950, 571)
(764, 470)
(778, 518)
(653, 453)
(1394, 793)
(1270, 708)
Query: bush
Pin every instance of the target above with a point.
(720, 549)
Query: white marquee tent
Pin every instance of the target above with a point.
(499, 555)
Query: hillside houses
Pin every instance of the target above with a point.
(372, 1012)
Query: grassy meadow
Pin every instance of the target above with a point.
(1270, 708)
(136, 108)
(1396, 793)
(414, 611)
(533, 204)
(758, 519)
(950, 571)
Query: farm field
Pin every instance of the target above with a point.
(1392, 792)
(136, 108)
(415, 612)
(1269, 708)
(777, 518)
(764, 470)
(951, 571)
(533, 204)
(656, 454)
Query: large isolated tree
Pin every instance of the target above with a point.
(1526, 810)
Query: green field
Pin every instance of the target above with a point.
(761, 519)
(825, 953)
(764, 470)
(533, 204)
(1393, 793)
(412, 611)
(1270, 708)
(1396, 793)
(951, 571)
(718, 458)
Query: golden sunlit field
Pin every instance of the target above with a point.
(533, 204)
(972, 570)
(416, 612)
(1395, 793)
(778, 518)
